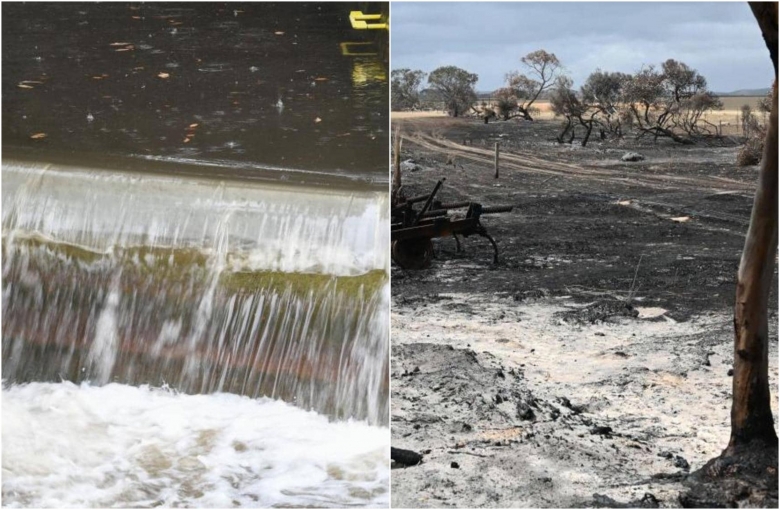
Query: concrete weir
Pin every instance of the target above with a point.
(203, 285)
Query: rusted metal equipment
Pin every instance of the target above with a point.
(413, 230)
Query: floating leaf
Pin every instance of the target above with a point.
(28, 84)
(38, 136)
(163, 75)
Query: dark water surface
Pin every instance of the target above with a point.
(230, 88)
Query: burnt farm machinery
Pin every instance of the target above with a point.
(414, 226)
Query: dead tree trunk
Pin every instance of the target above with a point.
(588, 125)
(566, 128)
(745, 474)
(751, 415)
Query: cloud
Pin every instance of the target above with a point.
(721, 40)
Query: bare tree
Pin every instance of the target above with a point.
(595, 105)
(565, 101)
(456, 88)
(541, 71)
(604, 90)
(669, 102)
(405, 88)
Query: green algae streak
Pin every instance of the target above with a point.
(178, 264)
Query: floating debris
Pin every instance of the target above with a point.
(164, 76)
(28, 84)
(38, 136)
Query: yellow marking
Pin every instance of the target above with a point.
(360, 21)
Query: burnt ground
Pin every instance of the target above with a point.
(590, 366)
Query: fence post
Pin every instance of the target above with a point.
(496, 163)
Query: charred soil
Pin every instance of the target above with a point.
(590, 366)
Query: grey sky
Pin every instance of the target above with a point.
(721, 40)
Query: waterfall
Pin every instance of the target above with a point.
(205, 286)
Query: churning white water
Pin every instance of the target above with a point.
(66, 445)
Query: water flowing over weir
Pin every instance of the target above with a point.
(204, 286)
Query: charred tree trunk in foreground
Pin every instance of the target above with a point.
(745, 474)
(751, 415)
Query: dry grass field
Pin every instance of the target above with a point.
(728, 119)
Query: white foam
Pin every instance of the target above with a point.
(122, 446)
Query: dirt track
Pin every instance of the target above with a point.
(592, 361)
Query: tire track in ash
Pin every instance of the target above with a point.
(530, 164)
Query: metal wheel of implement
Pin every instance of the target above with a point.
(413, 253)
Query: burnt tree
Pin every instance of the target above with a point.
(543, 69)
(751, 415)
(745, 474)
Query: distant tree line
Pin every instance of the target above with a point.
(660, 101)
